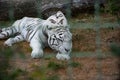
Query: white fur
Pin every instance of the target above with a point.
(57, 24)
(9, 42)
(40, 31)
(62, 56)
(37, 51)
(62, 42)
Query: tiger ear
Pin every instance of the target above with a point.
(60, 12)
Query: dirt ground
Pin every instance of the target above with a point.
(20, 65)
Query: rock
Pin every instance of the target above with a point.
(49, 7)
(16, 9)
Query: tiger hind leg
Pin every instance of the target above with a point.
(6, 32)
(16, 39)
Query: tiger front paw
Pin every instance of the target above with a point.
(38, 54)
(62, 56)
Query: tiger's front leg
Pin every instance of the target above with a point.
(16, 39)
(37, 50)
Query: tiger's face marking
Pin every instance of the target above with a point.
(56, 20)
(60, 39)
(53, 21)
(59, 14)
(61, 21)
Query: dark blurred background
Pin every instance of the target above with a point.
(44, 8)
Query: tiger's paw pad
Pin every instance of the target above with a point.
(62, 56)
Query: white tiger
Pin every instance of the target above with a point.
(53, 32)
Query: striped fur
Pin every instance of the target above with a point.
(60, 39)
(40, 33)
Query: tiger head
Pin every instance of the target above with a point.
(56, 20)
(60, 40)
(59, 36)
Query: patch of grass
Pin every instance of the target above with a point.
(6, 53)
(75, 64)
(39, 73)
(55, 66)
(4, 24)
(47, 58)
(16, 73)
